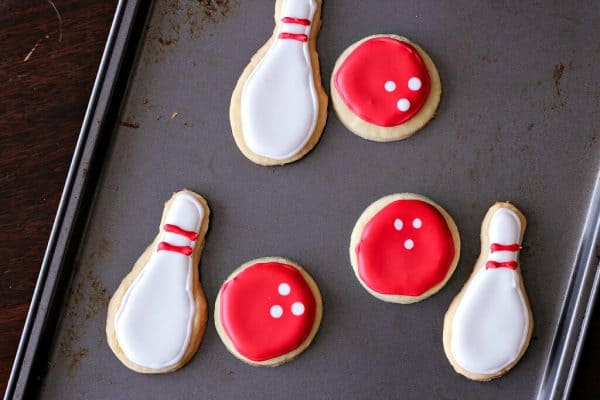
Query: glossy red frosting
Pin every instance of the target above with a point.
(405, 249)
(374, 81)
(267, 310)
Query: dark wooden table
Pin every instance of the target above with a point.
(48, 60)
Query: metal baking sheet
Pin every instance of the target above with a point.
(517, 121)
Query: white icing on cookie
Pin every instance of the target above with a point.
(276, 311)
(284, 289)
(153, 325)
(279, 104)
(491, 323)
(389, 86)
(297, 308)
(414, 83)
(398, 224)
(403, 105)
(505, 228)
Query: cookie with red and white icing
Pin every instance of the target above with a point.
(404, 248)
(489, 324)
(268, 311)
(278, 108)
(158, 314)
(384, 88)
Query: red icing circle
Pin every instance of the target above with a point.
(361, 81)
(246, 303)
(385, 264)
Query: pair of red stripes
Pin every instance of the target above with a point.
(185, 250)
(294, 36)
(503, 264)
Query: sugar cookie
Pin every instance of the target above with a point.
(404, 248)
(157, 317)
(268, 311)
(384, 88)
(488, 325)
(278, 107)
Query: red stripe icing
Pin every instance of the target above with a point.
(501, 264)
(185, 250)
(505, 247)
(175, 229)
(294, 36)
(293, 20)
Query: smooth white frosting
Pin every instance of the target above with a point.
(505, 228)
(491, 322)
(279, 106)
(154, 322)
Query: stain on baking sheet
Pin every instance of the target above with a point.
(166, 42)
(130, 124)
(175, 20)
(488, 59)
(207, 12)
(88, 298)
(591, 141)
(559, 70)
(227, 376)
(215, 9)
(76, 359)
(569, 18)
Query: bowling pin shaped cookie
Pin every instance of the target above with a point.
(157, 316)
(268, 311)
(278, 108)
(488, 325)
(384, 88)
(404, 248)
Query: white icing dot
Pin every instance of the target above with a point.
(414, 83)
(398, 224)
(276, 311)
(297, 308)
(403, 105)
(417, 223)
(284, 289)
(390, 86)
(409, 244)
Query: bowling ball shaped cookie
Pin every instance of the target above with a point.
(268, 311)
(404, 248)
(157, 316)
(384, 88)
(488, 325)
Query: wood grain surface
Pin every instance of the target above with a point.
(48, 61)
(47, 69)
